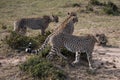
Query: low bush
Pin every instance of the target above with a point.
(3, 26)
(39, 67)
(89, 8)
(111, 9)
(17, 41)
(72, 5)
(107, 7)
(42, 69)
(95, 2)
(76, 5)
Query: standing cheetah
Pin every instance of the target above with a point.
(20, 26)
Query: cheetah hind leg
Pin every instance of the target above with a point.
(53, 52)
(61, 55)
(91, 69)
(77, 58)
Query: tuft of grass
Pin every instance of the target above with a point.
(72, 5)
(89, 8)
(76, 5)
(107, 7)
(45, 52)
(42, 69)
(95, 2)
(3, 26)
(111, 9)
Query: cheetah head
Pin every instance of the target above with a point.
(52, 18)
(102, 39)
(75, 19)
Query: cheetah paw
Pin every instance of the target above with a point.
(75, 62)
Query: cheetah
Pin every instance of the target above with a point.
(21, 25)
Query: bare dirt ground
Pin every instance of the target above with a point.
(9, 68)
(106, 59)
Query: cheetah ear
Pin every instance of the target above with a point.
(52, 17)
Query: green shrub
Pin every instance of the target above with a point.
(89, 8)
(111, 9)
(17, 41)
(76, 5)
(4, 26)
(95, 2)
(45, 52)
(41, 68)
(72, 5)
(41, 38)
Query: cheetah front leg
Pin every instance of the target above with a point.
(77, 58)
(89, 61)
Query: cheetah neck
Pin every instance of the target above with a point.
(62, 26)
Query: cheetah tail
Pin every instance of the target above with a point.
(44, 45)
